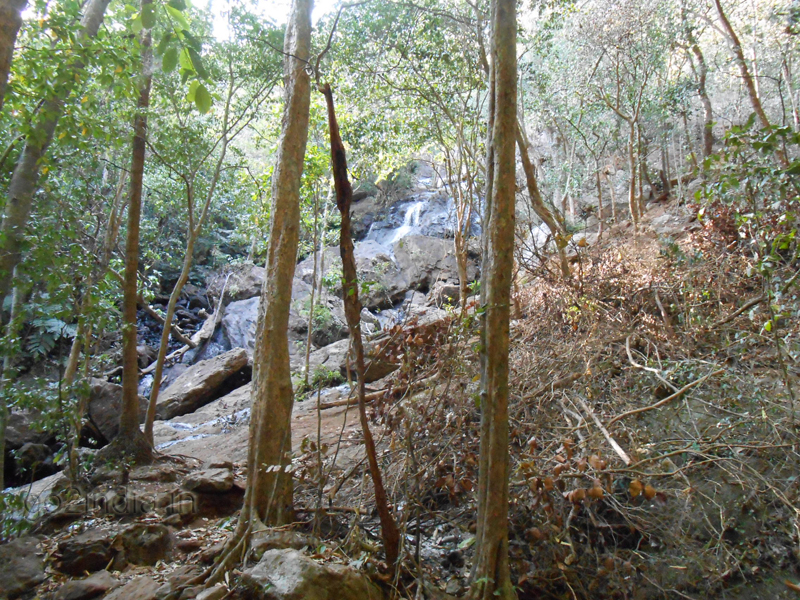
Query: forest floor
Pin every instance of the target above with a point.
(654, 449)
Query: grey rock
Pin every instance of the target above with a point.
(290, 575)
(22, 569)
(145, 544)
(243, 282)
(209, 481)
(105, 404)
(200, 384)
(239, 326)
(215, 593)
(425, 260)
(143, 588)
(147, 355)
(93, 586)
(89, 551)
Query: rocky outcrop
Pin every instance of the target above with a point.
(143, 588)
(203, 383)
(145, 544)
(22, 568)
(240, 282)
(333, 360)
(93, 586)
(86, 552)
(105, 405)
(425, 260)
(210, 481)
(290, 575)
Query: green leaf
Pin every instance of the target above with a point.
(202, 99)
(177, 4)
(178, 16)
(170, 60)
(136, 25)
(197, 62)
(192, 90)
(148, 15)
(162, 45)
(186, 60)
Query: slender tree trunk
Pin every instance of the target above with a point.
(25, 178)
(632, 183)
(600, 216)
(6, 375)
(747, 78)
(352, 308)
(10, 22)
(312, 305)
(538, 205)
(708, 113)
(490, 578)
(269, 482)
(130, 443)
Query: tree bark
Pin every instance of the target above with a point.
(26, 174)
(538, 205)
(352, 310)
(130, 442)
(269, 482)
(747, 78)
(490, 571)
(10, 22)
(702, 75)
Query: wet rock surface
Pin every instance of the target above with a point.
(22, 566)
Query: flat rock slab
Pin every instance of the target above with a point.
(209, 481)
(21, 569)
(199, 384)
(220, 430)
(84, 589)
(86, 552)
(290, 575)
(143, 588)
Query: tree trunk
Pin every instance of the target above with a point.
(10, 22)
(600, 219)
(747, 78)
(352, 310)
(130, 443)
(312, 301)
(538, 205)
(708, 113)
(490, 578)
(632, 168)
(269, 456)
(26, 174)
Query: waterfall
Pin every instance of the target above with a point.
(410, 221)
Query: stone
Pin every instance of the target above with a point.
(239, 327)
(105, 404)
(333, 358)
(93, 586)
(146, 355)
(209, 481)
(89, 551)
(145, 544)
(22, 568)
(218, 592)
(275, 540)
(425, 260)
(20, 430)
(290, 575)
(200, 384)
(243, 281)
(442, 294)
(34, 459)
(143, 588)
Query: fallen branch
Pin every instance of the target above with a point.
(749, 304)
(558, 384)
(666, 400)
(617, 448)
(176, 333)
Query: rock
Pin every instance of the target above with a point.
(34, 459)
(363, 213)
(243, 282)
(89, 551)
(444, 293)
(84, 589)
(105, 403)
(147, 355)
(332, 360)
(208, 555)
(145, 544)
(209, 481)
(20, 430)
(275, 540)
(215, 593)
(143, 588)
(239, 327)
(290, 575)
(425, 260)
(22, 569)
(201, 384)
(177, 580)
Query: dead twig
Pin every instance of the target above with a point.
(617, 448)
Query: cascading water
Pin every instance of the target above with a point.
(410, 221)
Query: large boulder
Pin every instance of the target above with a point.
(332, 360)
(142, 588)
(22, 567)
(240, 282)
(89, 551)
(290, 575)
(239, 327)
(93, 586)
(145, 544)
(426, 260)
(105, 404)
(202, 383)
